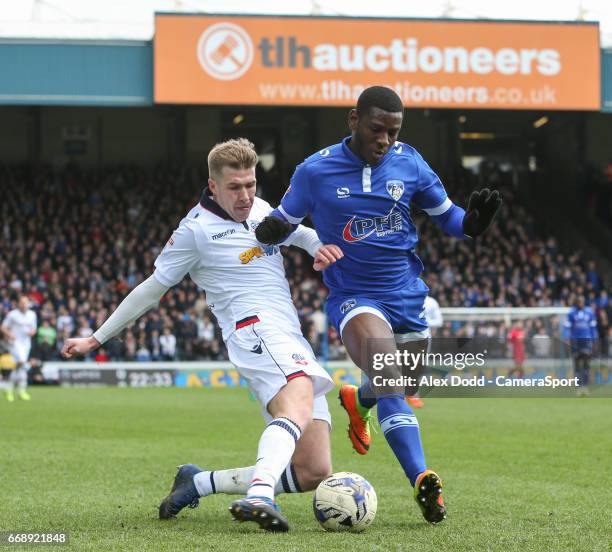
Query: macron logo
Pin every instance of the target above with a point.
(223, 234)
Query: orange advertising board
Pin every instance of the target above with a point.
(221, 59)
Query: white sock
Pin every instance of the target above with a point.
(237, 481)
(22, 382)
(16, 379)
(276, 447)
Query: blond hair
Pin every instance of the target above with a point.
(238, 153)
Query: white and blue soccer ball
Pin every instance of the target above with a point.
(345, 501)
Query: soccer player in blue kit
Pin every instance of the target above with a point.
(581, 328)
(358, 195)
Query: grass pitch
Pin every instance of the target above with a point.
(519, 474)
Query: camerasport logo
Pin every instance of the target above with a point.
(225, 51)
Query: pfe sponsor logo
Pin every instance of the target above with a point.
(359, 229)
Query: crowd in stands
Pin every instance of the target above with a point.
(77, 241)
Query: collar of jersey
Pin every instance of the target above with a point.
(211, 205)
(356, 159)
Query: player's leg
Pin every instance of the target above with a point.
(312, 458)
(291, 411)
(19, 377)
(270, 360)
(6, 383)
(20, 382)
(398, 422)
(311, 463)
(428, 485)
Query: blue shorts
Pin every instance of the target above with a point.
(582, 346)
(403, 309)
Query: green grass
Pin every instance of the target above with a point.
(519, 474)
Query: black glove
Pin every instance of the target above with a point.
(272, 230)
(481, 210)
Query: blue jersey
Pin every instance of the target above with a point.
(581, 324)
(365, 210)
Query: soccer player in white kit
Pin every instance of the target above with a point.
(248, 293)
(18, 327)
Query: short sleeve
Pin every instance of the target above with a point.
(178, 257)
(8, 321)
(297, 201)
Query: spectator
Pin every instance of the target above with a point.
(167, 343)
(541, 343)
(46, 337)
(101, 355)
(55, 247)
(143, 354)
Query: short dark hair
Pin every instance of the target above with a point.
(379, 96)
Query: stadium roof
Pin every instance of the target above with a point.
(133, 19)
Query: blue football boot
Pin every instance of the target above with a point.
(262, 510)
(183, 492)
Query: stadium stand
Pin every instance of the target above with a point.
(77, 241)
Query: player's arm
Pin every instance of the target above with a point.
(307, 239)
(295, 205)
(594, 332)
(32, 330)
(177, 258)
(482, 205)
(567, 326)
(6, 330)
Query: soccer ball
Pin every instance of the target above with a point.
(345, 501)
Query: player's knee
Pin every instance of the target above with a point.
(294, 401)
(312, 473)
(302, 415)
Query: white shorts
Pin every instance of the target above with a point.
(267, 356)
(21, 351)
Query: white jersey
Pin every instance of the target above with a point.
(433, 314)
(240, 276)
(21, 324)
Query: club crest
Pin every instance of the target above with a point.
(395, 188)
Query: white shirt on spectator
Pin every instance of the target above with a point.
(167, 342)
(65, 321)
(433, 314)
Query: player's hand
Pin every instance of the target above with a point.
(272, 230)
(326, 255)
(79, 346)
(481, 210)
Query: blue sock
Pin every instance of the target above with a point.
(401, 429)
(370, 400)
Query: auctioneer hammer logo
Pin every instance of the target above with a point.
(225, 51)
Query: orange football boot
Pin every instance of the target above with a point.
(359, 424)
(428, 495)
